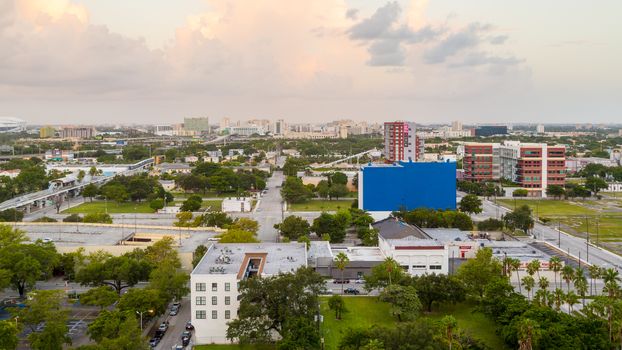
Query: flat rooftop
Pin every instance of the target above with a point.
(320, 249)
(512, 249)
(447, 235)
(362, 253)
(227, 258)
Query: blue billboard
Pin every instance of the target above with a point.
(408, 185)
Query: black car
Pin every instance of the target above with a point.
(352, 291)
(159, 334)
(185, 341)
(186, 334)
(189, 326)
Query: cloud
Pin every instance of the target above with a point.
(378, 25)
(386, 52)
(455, 43)
(498, 40)
(482, 58)
(352, 14)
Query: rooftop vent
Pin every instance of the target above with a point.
(217, 269)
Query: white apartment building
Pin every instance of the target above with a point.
(215, 281)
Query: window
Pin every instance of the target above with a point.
(200, 301)
(435, 267)
(418, 267)
(214, 314)
(227, 300)
(200, 287)
(201, 314)
(214, 287)
(214, 301)
(227, 286)
(227, 314)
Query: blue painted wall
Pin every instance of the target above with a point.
(409, 185)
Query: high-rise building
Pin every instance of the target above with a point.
(456, 125)
(491, 130)
(280, 127)
(77, 132)
(225, 123)
(540, 129)
(534, 166)
(46, 132)
(197, 125)
(401, 142)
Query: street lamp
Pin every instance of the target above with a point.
(141, 317)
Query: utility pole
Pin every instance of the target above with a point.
(559, 234)
(587, 241)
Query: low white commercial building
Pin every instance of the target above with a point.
(215, 281)
(237, 205)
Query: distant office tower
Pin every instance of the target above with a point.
(225, 123)
(534, 166)
(280, 128)
(401, 142)
(164, 130)
(46, 132)
(540, 129)
(77, 133)
(197, 125)
(491, 130)
(456, 125)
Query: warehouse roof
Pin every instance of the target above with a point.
(393, 228)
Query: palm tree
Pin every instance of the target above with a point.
(580, 283)
(529, 283)
(342, 260)
(594, 274)
(543, 283)
(568, 275)
(515, 265)
(555, 264)
(559, 297)
(449, 323)
(611, 278)
(571, 299)
(528, 333)
(534, 267)
(507, 266)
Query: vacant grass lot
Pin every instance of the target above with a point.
(546, 208)
(232, 347)
(112, 208)
(367, 311)
(321, 205)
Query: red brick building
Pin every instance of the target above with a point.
(401, 142)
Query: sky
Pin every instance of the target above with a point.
(156, 61)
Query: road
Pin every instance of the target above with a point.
(177, 325)
(565, 242)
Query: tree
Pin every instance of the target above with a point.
(27, 263)
(293, 191)
(296, 294)
(115, 192)
(439, 289)
(323, 189)
(293, 227)
(521, 192)
(216, 219)
(198, 254)
(449, 324)
(93, 171)
(528, 332)
(555, 191)
(101, 218)
(515, 265)
(478, 272)
(237, 236)
(338, 191)
(529, 282)
(142, 300)
(338, 178)
(520, 218)
(169, 281)
(471, 204)
(116, 330)
(571, 299)
(81, 175)
(596, 184)
(193, 203)
(341, 261)
(245, 224)
(490, 224)
(156, 204)
(333, 225)
(183, 219)
(595, 273)
(12, 215)
(119, 272)
(8, 335)
(555, 264)
(384, 274)
(102, 296)
(405, 304)
(337, 304)
(45, 306)
(90, 191)
(567, 275)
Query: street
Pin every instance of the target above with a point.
(177, 325)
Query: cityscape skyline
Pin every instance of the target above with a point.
(78, 61)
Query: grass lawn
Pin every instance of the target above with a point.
(214, 204)
(546, 208)
(368, 311)
(232, 347)
(321, 205)
(113, 208)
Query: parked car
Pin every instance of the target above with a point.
(189, 326)
(341, 281)
(352, 291)
(154, 342)
(163, 327)
(176, 304)
(174, 311)
(159, 334)
(185, 341)
(359, 281)
(186, 334)
(177, 347)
